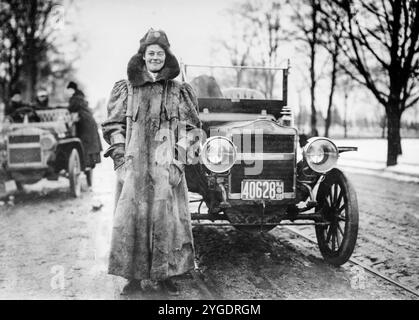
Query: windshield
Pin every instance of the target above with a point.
(235, 82)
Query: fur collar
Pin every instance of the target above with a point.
(138, 75)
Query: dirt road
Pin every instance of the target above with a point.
(55, 247)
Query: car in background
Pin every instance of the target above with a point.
(43, 145)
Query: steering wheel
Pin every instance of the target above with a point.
(19, 114)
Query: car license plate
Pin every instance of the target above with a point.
(262, 190)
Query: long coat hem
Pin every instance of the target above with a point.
(152, 233)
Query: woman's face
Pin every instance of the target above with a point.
(154, 58)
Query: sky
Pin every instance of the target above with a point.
(112, 31)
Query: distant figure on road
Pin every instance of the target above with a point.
(42, 99)
(87, 129)
(17, 110)
(15, 102)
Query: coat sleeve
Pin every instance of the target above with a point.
(72, 104)
(189, 107)
(76, 103)
(189, 119)
(114, 127)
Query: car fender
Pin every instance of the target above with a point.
(64, 148)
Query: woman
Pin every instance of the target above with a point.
(42, 99)
(152, 234)
(86, 127)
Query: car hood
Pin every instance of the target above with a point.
(260, 125)
(55, 128)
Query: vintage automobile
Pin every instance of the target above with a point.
(43, 145)
(253, 173)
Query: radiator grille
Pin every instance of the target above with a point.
(272, 143)
(271, 168)
(27, 155)
(24, 139)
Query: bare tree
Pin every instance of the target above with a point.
(239, 46)
(28, 45)
(257, 37)
(383, 125)
(333, 77)
(381, 43)
(330, 38)
(306, 17)
(346, 86)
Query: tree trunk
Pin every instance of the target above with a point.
(271, 83)
(239, 77)
(32, 78)
(328, 117)
(384, 126)
(313, 42)
(331, 94)
(400, 151)
(32, 51)
(314, 131)
(393, 137)
(345, 120)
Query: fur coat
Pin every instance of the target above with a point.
(152, 234)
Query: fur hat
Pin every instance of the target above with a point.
(137, 73)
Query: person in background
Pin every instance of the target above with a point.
(42, 99)
(17, 110)
(87, 129)
(15, 102)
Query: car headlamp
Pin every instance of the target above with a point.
(47, 142)
(218, 154)
(321, 154)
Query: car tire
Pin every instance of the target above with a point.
(74, 171)
(337, 197)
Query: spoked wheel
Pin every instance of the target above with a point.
(74, 171)
(337, 197)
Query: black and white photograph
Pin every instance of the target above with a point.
(234, 151)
